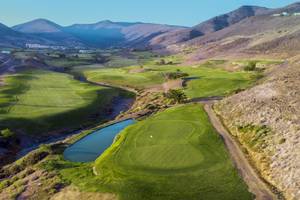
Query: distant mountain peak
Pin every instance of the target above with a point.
(38, 26)
(228, 19)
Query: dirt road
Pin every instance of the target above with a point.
(256, 185)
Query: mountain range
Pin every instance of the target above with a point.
(104, 34)
(248, 28)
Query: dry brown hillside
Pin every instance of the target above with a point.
(266, 121)
(248, 30)
(257, 35)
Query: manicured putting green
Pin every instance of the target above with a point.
(38, 101)
(175, 154)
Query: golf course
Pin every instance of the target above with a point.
(150, 100)
(39, 101)
(175, 154)
(171, 152)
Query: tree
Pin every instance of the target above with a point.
(175, 75)
(6, 134)
(177, 96)
(251, 66)
(62, 55)
(161, 62)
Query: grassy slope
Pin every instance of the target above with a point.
(208, 82)
(41, 101)
(173, 155)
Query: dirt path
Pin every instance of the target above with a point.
(256, 185)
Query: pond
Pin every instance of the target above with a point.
(89, 148)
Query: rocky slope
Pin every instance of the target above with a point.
(257, 35)
(245, 31)
(266, 121)
(210, 26)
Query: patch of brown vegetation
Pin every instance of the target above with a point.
(137, 70)
(72, 193)
(31, 183)
(172, 84)
(166, 86)
(147, 102)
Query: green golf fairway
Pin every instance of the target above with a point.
(174, 155)
(40, 101)
(123, 77)
(206, 82)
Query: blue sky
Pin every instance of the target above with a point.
(177, 12)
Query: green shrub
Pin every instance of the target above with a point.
(6, 134)
(176, 75)
(254, 135)
(164, 62)
(282, 140)
(151, 107)
(251, 66)
(35, 157)
(4, 184)
(177, 96)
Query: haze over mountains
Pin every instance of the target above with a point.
(103, 34)
(248, 27)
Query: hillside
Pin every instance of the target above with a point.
(250, 28)
(9, 37)
(265, 119)
(210, 26)
(53, 33)
(265, 34)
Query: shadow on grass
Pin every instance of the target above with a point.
(97, 111)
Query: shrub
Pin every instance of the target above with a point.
(6, 134)
(176, 75)
(161, 62)
(151, 107)
(61, 55)
(251, 66)
(282, 140)
(164, 62)
(177, 96)
(4, 184)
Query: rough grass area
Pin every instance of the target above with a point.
(175, 154)
(253, 136)
(41, 101)
(203, 81)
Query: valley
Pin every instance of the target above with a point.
(145, 80)
(147, 111)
